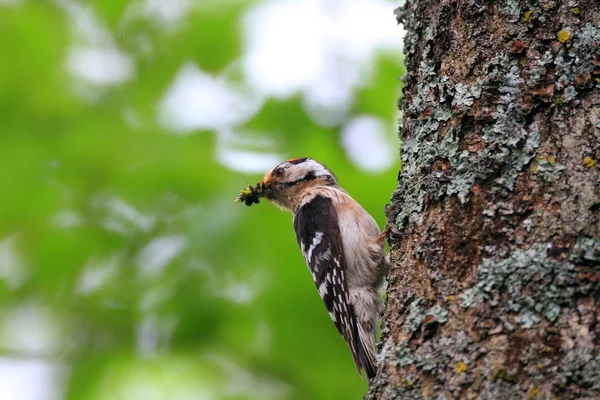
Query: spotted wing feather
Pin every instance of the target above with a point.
(318, 234)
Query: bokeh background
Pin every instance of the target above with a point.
(127, 128)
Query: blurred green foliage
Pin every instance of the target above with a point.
(91, 202)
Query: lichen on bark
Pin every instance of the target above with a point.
(494, 290)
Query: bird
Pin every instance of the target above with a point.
(342, 247)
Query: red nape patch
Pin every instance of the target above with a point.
(297, 160)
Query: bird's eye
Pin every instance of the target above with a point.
(278, 172)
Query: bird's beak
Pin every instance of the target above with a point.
(265, 190)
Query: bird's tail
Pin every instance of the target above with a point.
(365, 350)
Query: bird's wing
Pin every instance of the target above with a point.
(318, 234)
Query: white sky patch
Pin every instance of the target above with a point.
(162, 13)
(66, 219)
(214, 220)
(282, 56)
(153, 334)
(147, 337)
(122, 217)
(157, 254)
(120, 208)
(171, 14)
(229, 287)
(247, 161)
(94, 58)
(238, 292)
(13, 270)
(31, 329)
(238, 151)
(166, 11)
(328, 104)
(86, 27)
(155, 297)
(367, 143)
(100, 66)
(30, 379)
(326, 62)
(198, 100)
(97, 272)
(235, 290)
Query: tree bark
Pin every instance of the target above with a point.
(494, 291)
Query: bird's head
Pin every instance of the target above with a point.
(287, 181)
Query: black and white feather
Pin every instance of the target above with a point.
(319, 237)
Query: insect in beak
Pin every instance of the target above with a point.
(252, 194)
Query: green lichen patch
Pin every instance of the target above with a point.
(547, 169)
(464, 95)
(509, 141)
(404, 356)
(509, 145)
(529, 283)
(586, 251)
(512, 9)
(577, 60)
(580, 368)
(418, 314)
(503, 374)
(440, 356)
(409, 388)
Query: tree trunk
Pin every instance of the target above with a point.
(494, 291)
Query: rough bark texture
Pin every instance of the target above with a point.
(495, 286)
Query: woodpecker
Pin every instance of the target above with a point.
(341, 244)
